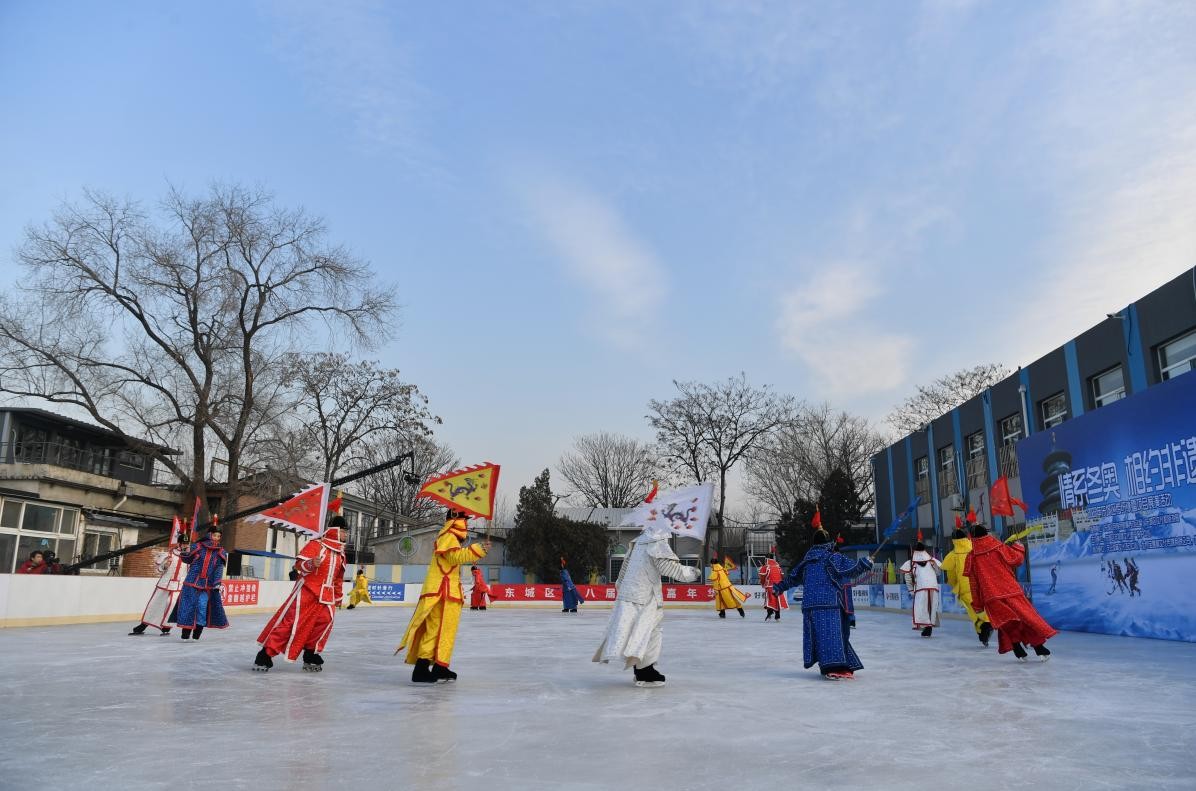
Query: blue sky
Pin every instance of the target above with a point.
(617, 194)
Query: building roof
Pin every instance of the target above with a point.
(91, 428)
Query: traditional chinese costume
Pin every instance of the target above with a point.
(953, 565)
(570, 598)
(433, 629)
(200, 604)
(160, 608)
(304, 621)
(479, 597)
(361, 591)
(922, 580)
(823, 573)
(726, 595)
(997, 593)
(633, 633)
(771, 574)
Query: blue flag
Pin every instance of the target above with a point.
(893, 528)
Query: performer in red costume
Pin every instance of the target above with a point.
(304, 621)
(481, 591)
(771, 574)
(996, 592)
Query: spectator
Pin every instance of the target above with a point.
(35, 565)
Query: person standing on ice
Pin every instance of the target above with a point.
(823, 573)
(921, 573)
(361, 590)
(433, 629)
(570, 598)
(771, 574)
(726, 595)
(480, 595)
(200, 603)
(160, 607)
(997, 593)
(304, 621)
(953, 565)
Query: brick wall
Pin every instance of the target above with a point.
(139, 563)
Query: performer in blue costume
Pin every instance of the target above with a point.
(570, 598)
(200, 604)
(825, 631)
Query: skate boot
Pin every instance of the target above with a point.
(422, 673)
(768, 613)
(262, 661)
(742, 614)
(839, 675)
(1020, 652)
(564, 609)
(1042, 652)
(312, 662)
(196, 633)
(986, 631)
(574, 609)
(138, 629)
(473, 608)
(166, 631)
(441, 674)
(482, 608)
(722, 613)
(648, 676)
(186, 634)
(927, 631)
(351, 606)
(778, 614)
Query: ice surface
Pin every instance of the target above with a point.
(88, 707)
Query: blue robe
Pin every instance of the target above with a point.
(200, 603)
(823, 574)
(570, 598)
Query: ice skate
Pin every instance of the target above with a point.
(986, 631)
(574, 609)
(648, 677)
(742, 614)
(441, 674)
(839, 675)
(927, 631)
(767, 613)
(137, 630)
(1042, 652)
(186, 635)
(312, 662)
(196, 632)
(351, 606)
(722, 613)
(165, 632)
(262, 662)
(422, 672)
(1020, 652)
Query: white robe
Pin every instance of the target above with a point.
(633, 634)
(166, 590)
(922, 579)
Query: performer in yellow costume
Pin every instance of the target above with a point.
(953, 567)
(433, 628)
(726, 595)
(361, 590)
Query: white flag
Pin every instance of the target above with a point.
(683, 511)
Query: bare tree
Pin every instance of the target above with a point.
(392, 489)
(160, 327)
(795, 462)
(944, 394)
(709, 428)
(609, 470)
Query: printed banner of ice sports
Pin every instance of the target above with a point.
(684, 511)
(1116, 492)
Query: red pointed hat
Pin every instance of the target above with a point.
(958, 523)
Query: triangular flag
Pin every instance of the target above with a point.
(471, 489)
(971, 516)
(958, 523)
(304, 512)
(652, 494)
(998, 496)
(176, 530)
(816, 522)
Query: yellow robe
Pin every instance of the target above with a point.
(433, 627)
(726, 595)
(361, 591)
(953, 567)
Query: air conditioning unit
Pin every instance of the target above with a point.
(956, 502)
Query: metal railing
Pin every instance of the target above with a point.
(947, 483)
(1007, 461)
(977, 472)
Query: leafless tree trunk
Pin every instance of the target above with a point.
(608, 470)
(944, 394)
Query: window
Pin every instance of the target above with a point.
(922, 478)
(1011, 429)
(947, 482)
(1053, 410)
(1108, 387)
(8, 552)
(977, 465)
(127, 458)
(1178, 356)
(97, 541)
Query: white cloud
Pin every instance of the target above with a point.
(825, 324)
(601, 252)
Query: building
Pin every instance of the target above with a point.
(76, 489)
(953, 461)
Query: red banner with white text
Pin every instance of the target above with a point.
(239, 593)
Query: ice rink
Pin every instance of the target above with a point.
(89, 707)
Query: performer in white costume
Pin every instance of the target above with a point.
(633, 632)
(159, 610)
(921, 574)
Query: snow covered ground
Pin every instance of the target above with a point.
(88, 707)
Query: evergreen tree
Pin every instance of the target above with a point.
(540, 538)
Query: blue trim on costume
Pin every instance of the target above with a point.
(1073, 378)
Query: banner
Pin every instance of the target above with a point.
(386, 591)
(1116, 491)
(239, 593)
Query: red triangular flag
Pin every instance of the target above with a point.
(1025, 508)
(958, 523)
(303, 512)
(652, 494)
(816, 522)
(999, 497)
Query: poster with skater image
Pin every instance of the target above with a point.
(1115, 490)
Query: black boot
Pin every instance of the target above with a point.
(648, 677)
(927, 631)
(1042, 652)
(778, 614)
(422, 673)
(138, 629)
(195, 634)
(768, 613)
(186, 634)
(1019, 651)
(312, 662)
(351, 606)
(481, 608)
(165, 630)
(440, 674)
(986, 631)
(722, 613)
(742, 614)
(262, 661)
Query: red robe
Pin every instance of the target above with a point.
(996, 592)
(304, 621)
(771, 574)
(481, 591)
